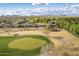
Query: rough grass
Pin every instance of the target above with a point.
(6, 51)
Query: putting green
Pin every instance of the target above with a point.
(26, 44)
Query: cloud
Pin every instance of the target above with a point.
(75, 5)
(39, 3)
(66, 10)
(14, 12)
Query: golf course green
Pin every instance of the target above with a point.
(26, 45)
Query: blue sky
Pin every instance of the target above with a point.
(39, 9)
(28, 5)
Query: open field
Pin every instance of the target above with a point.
(65, 43)
(20, 32)
(65, 35)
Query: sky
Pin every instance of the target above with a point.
(39, 9)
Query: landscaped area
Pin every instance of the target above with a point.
(50, 43)
(22, 45)
(27, 43)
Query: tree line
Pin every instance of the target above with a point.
(69, 23)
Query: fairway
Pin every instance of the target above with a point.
(26, 43)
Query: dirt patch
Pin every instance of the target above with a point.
(56, 30)
(58, 37)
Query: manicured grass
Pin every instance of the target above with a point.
(26, 43)
(7, 51)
